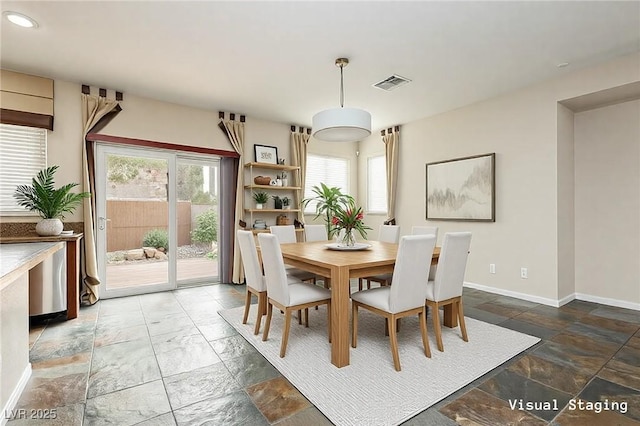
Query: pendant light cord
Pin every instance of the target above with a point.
(341, 87)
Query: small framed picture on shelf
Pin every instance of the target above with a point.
(266, 154)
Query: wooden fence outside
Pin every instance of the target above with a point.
(130, 220)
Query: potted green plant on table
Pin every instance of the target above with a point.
(50, 203)
(349, 217)
(327, 200)
(261, 198)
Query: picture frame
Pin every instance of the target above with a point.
(461, 189)
(265, 154)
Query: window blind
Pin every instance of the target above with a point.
(377, 184)
(23, 153)
(332, 171)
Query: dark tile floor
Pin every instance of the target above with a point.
(168, 358)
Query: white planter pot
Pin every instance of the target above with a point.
(49, 227)
(259, 206)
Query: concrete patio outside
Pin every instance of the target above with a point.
(150, 273)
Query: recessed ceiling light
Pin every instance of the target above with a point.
(563, 64)
(20, 19)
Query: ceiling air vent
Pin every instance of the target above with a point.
(391, 83)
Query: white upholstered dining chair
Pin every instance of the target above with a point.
(387, 234)
(284, 296)
(446, 288)
(255, 281)
(424, 230)
(287, 234)
(315, 233)
(404, 297)
(427, 230)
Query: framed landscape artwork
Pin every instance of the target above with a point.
(462, 189)
(266, 154)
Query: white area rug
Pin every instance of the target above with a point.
(369, 391)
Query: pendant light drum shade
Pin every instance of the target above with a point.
(341, 125)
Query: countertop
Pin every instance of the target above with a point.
(35, 238)
(18, 258)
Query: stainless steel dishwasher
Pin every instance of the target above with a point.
(48, 285)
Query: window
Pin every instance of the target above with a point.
(23, 153)
(332, 171)
(377, 184)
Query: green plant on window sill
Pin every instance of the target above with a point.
(50, 203)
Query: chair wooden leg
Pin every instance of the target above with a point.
(267, 324)
(299, 316)
(463, 326)
(436, 327)
(285, 332)
(394, 343)
(247, 304)
(261, 302)
(306, 317)
(422, 316)
(329, 319)
(368, 284)
(386, 327)
(354, 325)
(360, 284)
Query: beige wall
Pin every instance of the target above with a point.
(521, 127)
(607, 198)
(566, 206)
(148, 119)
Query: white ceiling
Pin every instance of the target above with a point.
(275, 60)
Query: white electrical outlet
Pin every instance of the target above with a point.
(524, 274)
(492, 268)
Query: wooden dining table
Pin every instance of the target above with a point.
(340, 266)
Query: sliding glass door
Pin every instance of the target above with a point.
(197, 213)
(156, 219)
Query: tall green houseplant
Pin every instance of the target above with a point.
(328, 200)
(50, 203)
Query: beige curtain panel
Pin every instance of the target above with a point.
(235, 133)
(391, 139)
(94, 108)
(299, 142)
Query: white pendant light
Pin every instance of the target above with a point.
(341, 124)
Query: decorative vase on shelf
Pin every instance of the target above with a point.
(349, 238)
(49, 227)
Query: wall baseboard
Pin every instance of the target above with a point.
(6, 413)
(607, 301)
(556, 303)
(517, 295)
